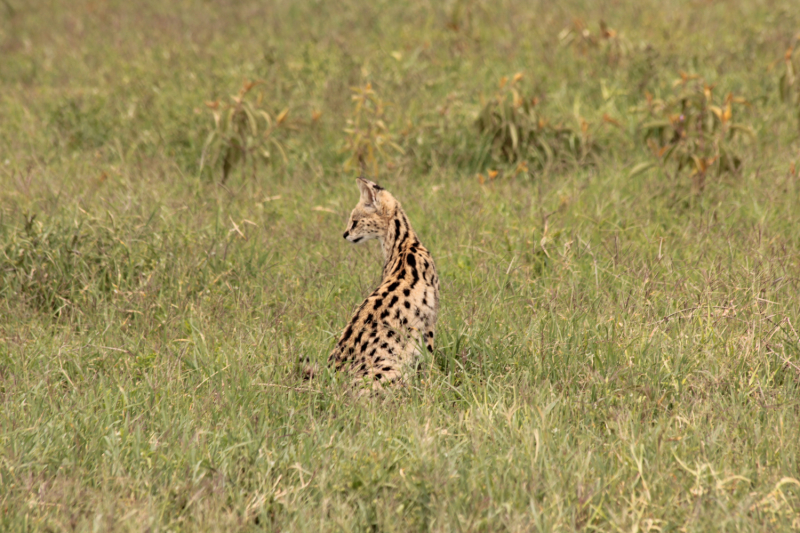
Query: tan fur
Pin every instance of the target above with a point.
(381, 342)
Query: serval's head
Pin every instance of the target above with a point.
(370, 219)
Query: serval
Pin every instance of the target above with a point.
(383, 339)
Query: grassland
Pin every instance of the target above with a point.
(617, 348)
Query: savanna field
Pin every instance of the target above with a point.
(610, 191)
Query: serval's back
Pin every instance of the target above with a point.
(383, 338)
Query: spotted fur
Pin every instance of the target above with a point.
(382, 340)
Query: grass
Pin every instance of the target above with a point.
(617, 348)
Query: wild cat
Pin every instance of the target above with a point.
(382, 341)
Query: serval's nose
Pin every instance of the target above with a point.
(346, 233)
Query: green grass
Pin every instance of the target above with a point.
(617, 350)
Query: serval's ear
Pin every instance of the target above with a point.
(369, 193)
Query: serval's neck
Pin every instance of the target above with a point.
(399, 238)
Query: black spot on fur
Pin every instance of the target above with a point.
(378, 375)
(378, 303)
(406, 292)
(430, 334)
(347, 333)
(393, 301)
(384, 314)
(407, 304)
(411, 260)
(384, 345)
(386, 368)
(393, 286)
